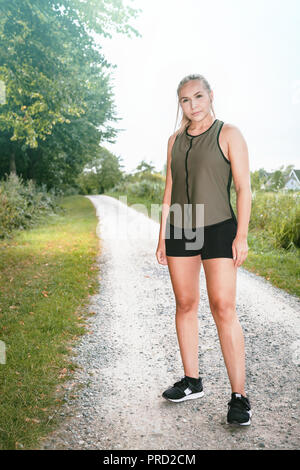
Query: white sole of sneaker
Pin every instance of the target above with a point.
(244, 424)
(192, 396)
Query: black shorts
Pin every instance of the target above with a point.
(217, 241)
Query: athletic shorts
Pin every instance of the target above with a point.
(217, 240)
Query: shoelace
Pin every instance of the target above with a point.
(240, 402)
(182, 381)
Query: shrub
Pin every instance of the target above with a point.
(23, 203)
(151, 190)
(278, 214)
(150, 187)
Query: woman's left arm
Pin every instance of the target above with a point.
(239, 159)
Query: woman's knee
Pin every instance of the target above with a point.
(223, 310)
(187, 304)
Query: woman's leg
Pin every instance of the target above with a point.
(220, 276)
(184, 273)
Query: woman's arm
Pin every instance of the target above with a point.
(239, 159)
(160, 252)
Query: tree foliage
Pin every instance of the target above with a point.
(102, 174)
(58, 93)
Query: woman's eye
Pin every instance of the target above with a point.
(184, 101)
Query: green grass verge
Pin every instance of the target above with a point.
(278, 266)
(47, 276)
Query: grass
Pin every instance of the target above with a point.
(279, 266)
(47, 276)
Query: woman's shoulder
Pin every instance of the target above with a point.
(231, 131)
(174, 135)
(230, 128)
(172, 138)
(179, 131)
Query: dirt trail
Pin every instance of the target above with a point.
(132, 355)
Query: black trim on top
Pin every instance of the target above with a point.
(190, 135)
(228, 192)
(186, 171)
(226, 159)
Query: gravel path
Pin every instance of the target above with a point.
(131, 355)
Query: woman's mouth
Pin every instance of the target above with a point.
(194, 114)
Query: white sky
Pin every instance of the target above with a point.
(249, 51)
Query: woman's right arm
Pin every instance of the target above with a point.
(160, 252)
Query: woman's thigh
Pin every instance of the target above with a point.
(185, 275)
(221, 275)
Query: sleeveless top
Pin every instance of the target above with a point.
(201, 180)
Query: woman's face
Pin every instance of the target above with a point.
(195, 100)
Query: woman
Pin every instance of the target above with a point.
(203, 155)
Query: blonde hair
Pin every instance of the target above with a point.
(184, 120)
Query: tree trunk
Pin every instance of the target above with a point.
(12, 163)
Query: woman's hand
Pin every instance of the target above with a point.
(239, 250)
(161, 253)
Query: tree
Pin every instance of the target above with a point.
(58, 96)
(278, 177)
(257, 179)
(103, 172)
(144, 169)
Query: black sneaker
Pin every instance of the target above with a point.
(239, 410)
(184, 389)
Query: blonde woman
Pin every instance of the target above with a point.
(198, 226)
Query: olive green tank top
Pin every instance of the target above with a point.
(201, 180)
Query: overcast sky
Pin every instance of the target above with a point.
(249, 51)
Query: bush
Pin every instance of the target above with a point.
(150, 187)
(150, 190)
(279, 215)
(23, 203)
(88, 183)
